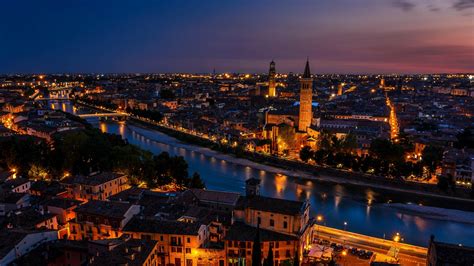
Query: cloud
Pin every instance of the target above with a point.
(433, 8)
(404, 5)
(461, 5)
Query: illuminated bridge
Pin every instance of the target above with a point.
(103, 115)
(51, 99)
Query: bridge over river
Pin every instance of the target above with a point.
(103, 115)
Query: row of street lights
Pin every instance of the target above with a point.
(320, 218)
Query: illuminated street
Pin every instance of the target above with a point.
(408, 254)
(394, 127)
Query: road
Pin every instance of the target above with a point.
(394, 129)
(408, 255)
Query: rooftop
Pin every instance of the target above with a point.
(274, 205)
(450, 254)
(92, 180)
(242, 232)
(63, 203)
(104, 208)
(130, 252)
(152, 225)
(229, 198)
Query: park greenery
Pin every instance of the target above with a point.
(89, 150)
(385, 157)
(167, 94)
(149, 114)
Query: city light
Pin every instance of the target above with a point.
(319, 218)
(396, 238)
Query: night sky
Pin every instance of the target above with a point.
(338, 36)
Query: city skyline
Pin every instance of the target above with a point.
(397, 36)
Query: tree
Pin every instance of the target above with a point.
(286, 137)
(196, 181)
(465, 139)
(256, 251)
(386, 150)
(239, 151)
(306, 153)
(150, 114)
(37, 171)
(21, 153)
(324, 140)
(320, 156)
(270, 256)
(431, 157)
(443, 183)
(167, 94)
(349, 143)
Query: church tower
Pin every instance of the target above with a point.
(271, 80)
(306, 100)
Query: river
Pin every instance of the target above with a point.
(365, 210)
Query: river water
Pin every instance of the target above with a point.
(365, 210)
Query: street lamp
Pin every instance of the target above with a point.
(345, 225)
(344, 254)
(319, 219)
(396, 238)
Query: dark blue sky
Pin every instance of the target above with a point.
(341, 36)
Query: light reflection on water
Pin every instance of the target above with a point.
(360, 207)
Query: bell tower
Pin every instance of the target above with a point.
(306, 100)
(271, 80)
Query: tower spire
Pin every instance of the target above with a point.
(307, 71)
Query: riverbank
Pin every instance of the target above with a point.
(275, 168)
(289, 168)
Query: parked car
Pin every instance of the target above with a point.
(361, 254)
(368, 255)
(353, 251)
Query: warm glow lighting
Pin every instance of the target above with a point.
(396, 238)
(319, 218)
(344, 253)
